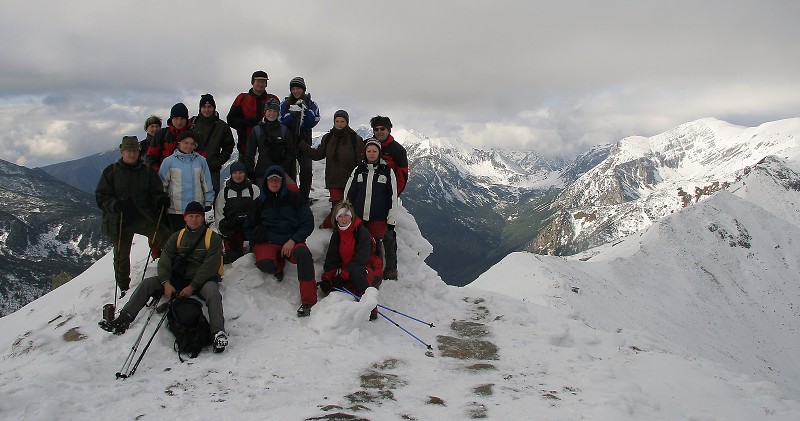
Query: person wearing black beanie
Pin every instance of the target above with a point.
(301, 114)
(214, 138)
(342, 149)
(164, 141)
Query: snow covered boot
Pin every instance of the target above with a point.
(220, 341)
(304, 310)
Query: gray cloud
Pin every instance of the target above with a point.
(547, 76)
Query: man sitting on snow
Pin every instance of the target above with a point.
(200, 275)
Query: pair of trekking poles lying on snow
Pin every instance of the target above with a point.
(345, 290)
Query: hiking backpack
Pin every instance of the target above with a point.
(185, 319)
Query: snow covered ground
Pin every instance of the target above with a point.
(672, 324)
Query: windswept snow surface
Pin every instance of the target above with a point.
(644, 338)
(715, 285)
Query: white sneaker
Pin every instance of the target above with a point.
(220, 341)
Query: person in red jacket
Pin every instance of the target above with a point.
(164, 141)
(247, 109)
(396, 157)
(351, 261)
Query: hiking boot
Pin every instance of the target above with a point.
(373, 315)
(304, 310)
(279, 276)
(220, 341)
(121, 323)
(390, 274)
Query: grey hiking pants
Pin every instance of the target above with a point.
(209, 292)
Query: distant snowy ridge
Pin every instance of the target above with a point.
(637, 183)
(717, 280)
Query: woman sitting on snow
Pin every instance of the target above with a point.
(351, 261)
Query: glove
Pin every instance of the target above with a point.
(328, 276)
(125, 206)
(207, 208)
(259, 234)
(225, 228)
(162, 202)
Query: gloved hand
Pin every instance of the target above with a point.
(328, 276)
(125, 206)
(162, 202)
(259, 234)
(207, 208)
(225, 228)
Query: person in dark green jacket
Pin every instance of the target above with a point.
(201, 275)
(131, 196)
(214, 138)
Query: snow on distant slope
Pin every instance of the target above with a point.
(716, 281)
(493, 356)
(637, 184)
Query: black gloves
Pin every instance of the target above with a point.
(259, 234)
(207, 208)
(125, 206)
(162, 202)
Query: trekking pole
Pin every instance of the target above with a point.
(119, 249)
(388, 308)
(126, 365)
(406, 331)
(153, 242)
(160, 322)
(387, 318)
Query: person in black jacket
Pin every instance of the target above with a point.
(273, 143)
(132, 199)
(230, 210)
(277, 226)
(372, 189)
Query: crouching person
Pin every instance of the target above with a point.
(231, 209)
(185, 269)
(277, 226)
(351, 261)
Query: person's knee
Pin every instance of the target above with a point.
(267, 266)
(302, 253)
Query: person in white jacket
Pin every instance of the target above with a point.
(186, 178)
(230, 210)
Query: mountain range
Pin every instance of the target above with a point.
(477, 205)
(692, 318)
(49, 233)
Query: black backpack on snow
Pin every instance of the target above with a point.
(189, 325)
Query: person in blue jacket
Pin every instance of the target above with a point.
(186, 178)
(277, 226)
(300, 114)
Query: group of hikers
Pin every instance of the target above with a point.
(167, 187)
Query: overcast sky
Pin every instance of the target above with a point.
(552, 76)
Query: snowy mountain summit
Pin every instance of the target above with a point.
(644, 179)
(699, 325)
